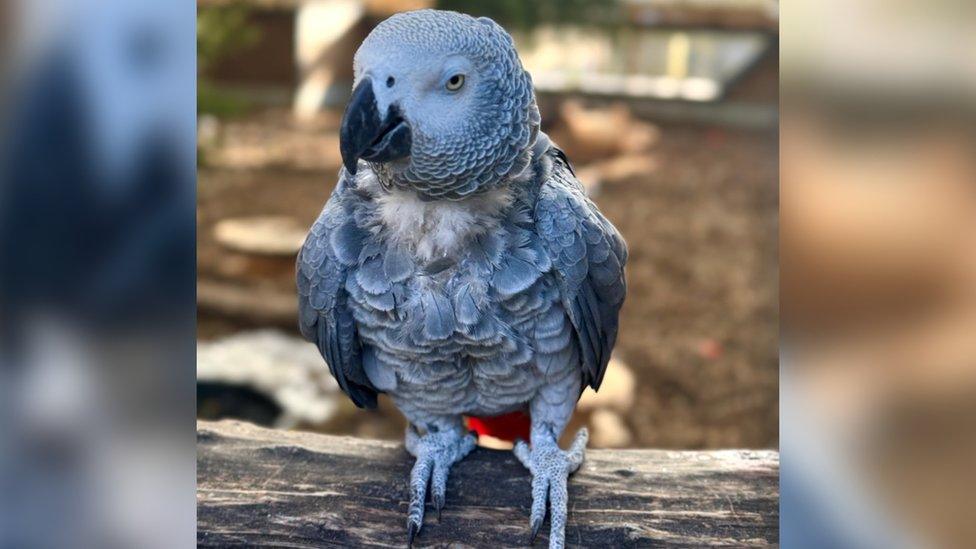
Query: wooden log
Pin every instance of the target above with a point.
(263, 235)
(261, 487)
(261, 306)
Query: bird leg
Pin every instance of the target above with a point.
(443, 445)
(550, 467)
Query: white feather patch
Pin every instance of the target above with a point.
(434, 229)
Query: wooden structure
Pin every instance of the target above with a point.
(261, 487)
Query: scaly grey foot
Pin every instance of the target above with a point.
(550, 468)
(436, 452)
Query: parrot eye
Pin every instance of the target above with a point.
(455, 82)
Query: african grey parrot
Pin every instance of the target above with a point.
(458, 266)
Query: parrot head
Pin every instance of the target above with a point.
(440, 104)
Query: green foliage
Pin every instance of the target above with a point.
(222, 30)
(219, 102)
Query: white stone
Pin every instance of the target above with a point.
(284, 368)
(608, 430)
(616, 392)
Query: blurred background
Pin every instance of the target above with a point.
(669, 112)
(878, 274)
(97, 172)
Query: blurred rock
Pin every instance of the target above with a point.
(608, 430)
(617, 169)
(616, 393)
(253, 304)
(597, 133)
(262, 235)
(286, 369)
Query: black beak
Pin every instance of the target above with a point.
(364, 134)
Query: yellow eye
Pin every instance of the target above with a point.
(455, 83)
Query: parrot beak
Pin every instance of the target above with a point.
(365, 134)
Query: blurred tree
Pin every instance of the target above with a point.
(221, 30)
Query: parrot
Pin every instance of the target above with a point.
(458, 266)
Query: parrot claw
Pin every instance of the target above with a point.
(411, 533)
(439, 505)
(550, 468)
(536, 526)
(436, 452)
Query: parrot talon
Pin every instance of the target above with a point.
(436, 452)
(550, 467)
(536, 526)
(439, 505)
(411, 533)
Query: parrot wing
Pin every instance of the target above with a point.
(330, 252)
(588, 256)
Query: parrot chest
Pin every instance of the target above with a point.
(459, 327)
(473, 355)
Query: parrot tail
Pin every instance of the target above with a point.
(511, 427)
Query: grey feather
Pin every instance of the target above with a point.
(383, 302)
(379, 375)
(466, 305)
(324, 314)
(347, 242)
(438, 315)
(515, 276)
(588, 254)
(372, 278)
(397, 264)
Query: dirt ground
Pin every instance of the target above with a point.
(700, 325)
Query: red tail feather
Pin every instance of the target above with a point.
(511, 426)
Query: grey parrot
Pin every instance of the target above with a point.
(458, 267)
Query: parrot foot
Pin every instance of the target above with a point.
(550, 468)
(436, 452)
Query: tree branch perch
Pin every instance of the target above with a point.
(262, 487)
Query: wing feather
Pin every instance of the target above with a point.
(333, 245)
(588, 256)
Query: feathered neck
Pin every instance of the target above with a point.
(514, 167)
